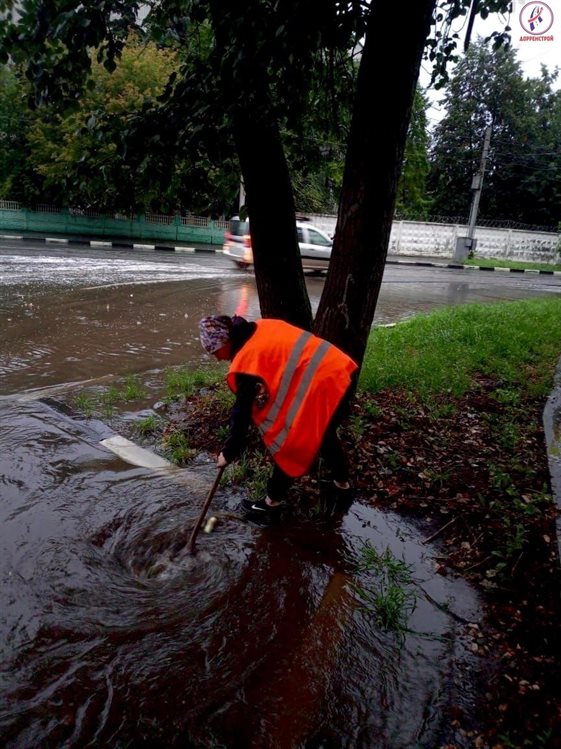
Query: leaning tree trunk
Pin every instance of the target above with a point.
(384, 96)
(268, 189)
(270, 204)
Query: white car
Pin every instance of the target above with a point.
(315, 245)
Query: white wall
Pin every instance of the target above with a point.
(439, 240)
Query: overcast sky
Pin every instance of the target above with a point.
(531, 53)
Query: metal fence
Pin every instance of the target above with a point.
(86, 222)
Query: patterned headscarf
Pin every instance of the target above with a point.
(214, 332)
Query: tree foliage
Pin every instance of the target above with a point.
(123, 146)
(411, 200)
(13, 123)
(75, 151)
(523, 170)
(315, 141)
(104, 151)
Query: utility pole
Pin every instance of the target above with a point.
(465, 246)
(477, 187)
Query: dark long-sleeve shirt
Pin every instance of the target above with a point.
(240, 415)
(247, 388)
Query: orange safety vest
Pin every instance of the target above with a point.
(305, 379)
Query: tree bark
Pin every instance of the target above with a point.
(272, 216)
(268, 189)
(384, 97)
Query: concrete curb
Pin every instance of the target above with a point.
(117, 245)
(123, 245)
(460, 266)
(99, 433)
(134, 454)
(552, 430)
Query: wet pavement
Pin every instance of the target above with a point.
(73, 314)
(111, 637)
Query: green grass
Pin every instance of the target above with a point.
(537, 741)
(132, 389)
(517, 343)
(177, 448)
(146, 426)
(104, 402)
(108, 399)
(253, 472)
(386, 589)
(184, 382)
(85, 403)
(498, 262)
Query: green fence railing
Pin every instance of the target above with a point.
(196, 229)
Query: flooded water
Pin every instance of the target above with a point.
(69, 316)
(256, 641)
(110, 633)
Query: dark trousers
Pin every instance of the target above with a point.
(330, 451)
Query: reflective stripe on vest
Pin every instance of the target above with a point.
(303, 386)
(287, 376)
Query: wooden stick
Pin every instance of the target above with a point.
(208, 500)
(477, 564)
(439, 531)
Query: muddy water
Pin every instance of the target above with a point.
(63, 322)
(108, 639)
(66, 316)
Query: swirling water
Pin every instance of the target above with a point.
(113, 635)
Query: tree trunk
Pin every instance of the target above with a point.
(386, 84)
(268, 189)
(270, 204)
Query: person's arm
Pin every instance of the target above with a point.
(240, 418)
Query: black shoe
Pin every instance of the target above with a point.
(262, 508)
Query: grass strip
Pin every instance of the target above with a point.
(499, 262)
(517, 343)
